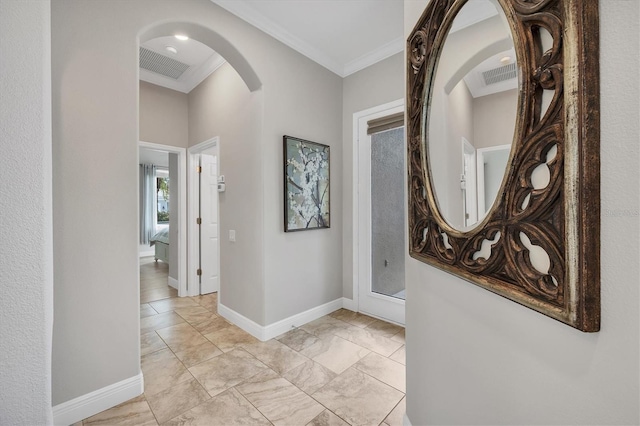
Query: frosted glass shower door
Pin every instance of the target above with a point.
(387, 213)
(380, 224)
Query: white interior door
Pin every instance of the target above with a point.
(468, 182)
(209, 244)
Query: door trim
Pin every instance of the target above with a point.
(480, 176)
(360, 247)
(182, 220)
(192, 229)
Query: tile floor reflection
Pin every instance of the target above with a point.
(342, 369)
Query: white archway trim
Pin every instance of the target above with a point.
(211, 39)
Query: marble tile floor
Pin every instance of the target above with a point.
(153, 280)
(342, 369)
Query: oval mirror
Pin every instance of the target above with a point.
(472, 114)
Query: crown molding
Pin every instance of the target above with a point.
(375, 56)
(207, 68)
(258, 20)
(189, 80)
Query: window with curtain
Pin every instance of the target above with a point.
(147, 202)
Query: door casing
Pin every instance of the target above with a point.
(182, 221)
(361, 220)
(194, 247)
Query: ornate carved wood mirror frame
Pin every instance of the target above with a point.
(562, 218)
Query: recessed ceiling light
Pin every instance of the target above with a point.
(171, 49)
(181, 37)
(505, 60)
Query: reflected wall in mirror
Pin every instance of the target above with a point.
(504, 178)
(473, 106)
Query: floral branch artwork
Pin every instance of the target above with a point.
(306, 185)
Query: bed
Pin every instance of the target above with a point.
(161, 243)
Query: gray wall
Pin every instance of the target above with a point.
(451, 116)
(376, 85)
(223, 106)
(96, 331)
(476, 358)
(302, 270)
(164, 115)
(96, 337)
(26, 261)
(489, 131)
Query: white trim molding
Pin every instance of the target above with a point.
(148, 253)
(362, 251)
(270, 331)
(350, 304)
(189, 80)
(172, 282)
(405, 420)
(383, 52)
(182, 221)
(94, 402)
(249, 14)
(193, 260)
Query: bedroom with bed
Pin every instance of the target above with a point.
(156, 211)
(161, 243)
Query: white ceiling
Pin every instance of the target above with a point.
(344, 36)
(202, 61)
(152, 156)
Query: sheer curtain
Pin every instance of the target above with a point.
(147, 200)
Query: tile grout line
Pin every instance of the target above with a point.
(329, 335)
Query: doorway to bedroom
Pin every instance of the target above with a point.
(162, 249)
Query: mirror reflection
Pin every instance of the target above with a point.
(472, 113)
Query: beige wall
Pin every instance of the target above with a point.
(494, 119)
(458, 121)
(96, 331)
(476, 358)
(302, 270)
(376, 85)
(26, 255)
(164, 116)
(223, 106)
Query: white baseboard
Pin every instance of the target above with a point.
(282, 326)
(173, 282)
(250, 326)
(94, 402)
(350, 304)
(270, 331)
(147, 253)
(405, 420)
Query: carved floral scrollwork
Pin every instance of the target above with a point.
(527, 216)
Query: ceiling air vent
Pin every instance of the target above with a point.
(160, 64)
(499, 74)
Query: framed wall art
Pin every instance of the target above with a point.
(306, 185)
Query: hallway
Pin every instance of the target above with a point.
(342, 369)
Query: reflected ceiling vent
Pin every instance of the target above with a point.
(496, 75)
(160, 64)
